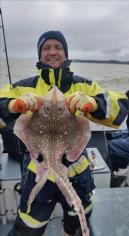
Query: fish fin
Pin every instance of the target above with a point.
(82, 135)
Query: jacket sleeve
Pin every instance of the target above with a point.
(6, 94)
(9, 92)
(113, 106)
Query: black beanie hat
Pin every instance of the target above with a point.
(52, 35)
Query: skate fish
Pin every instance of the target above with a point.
(53, 131)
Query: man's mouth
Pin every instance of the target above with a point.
(53, 59)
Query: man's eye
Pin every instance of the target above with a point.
(58, 47)
(46, 48)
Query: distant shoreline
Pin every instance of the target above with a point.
(101, 61)
(79, 61)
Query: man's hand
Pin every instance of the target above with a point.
(81, 101)
(27, 102)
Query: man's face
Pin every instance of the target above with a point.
(52, 53)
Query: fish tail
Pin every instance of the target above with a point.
(73, 200)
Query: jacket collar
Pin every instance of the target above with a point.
(61, 77)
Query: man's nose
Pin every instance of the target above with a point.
(53, 51)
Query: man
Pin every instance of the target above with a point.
(82, 95)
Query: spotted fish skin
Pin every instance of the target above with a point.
(52, 132)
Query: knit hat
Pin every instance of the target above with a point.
(52, 35)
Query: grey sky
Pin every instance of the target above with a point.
(93, 29)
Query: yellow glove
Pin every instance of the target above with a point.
(81, 101)
(27, 102)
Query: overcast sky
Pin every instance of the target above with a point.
(94, 29)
